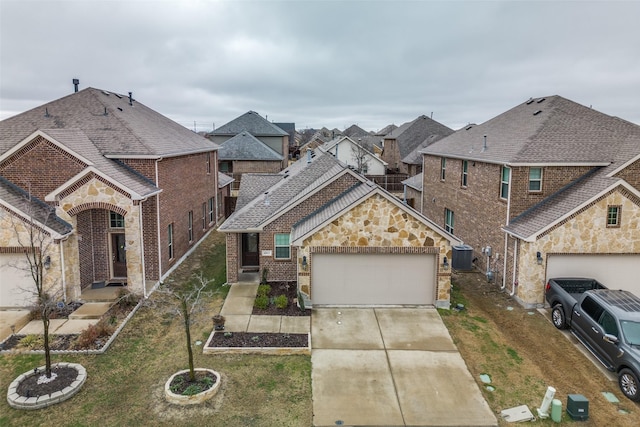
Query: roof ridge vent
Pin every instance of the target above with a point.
(537, 112)
(540, 100)
(530, 101)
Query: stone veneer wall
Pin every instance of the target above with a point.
(585, 232)
(378, 223)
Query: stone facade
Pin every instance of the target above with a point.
(377, 223)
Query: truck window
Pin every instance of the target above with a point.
(608, 323)
(592, 308)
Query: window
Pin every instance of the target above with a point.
(504, 182)
(283, 250)
(211, 218)
(535, 179)
(116, 220)
(220, 199)
(448, 220)
(204, 216)
(191, 226)
(608, 323)
(591, 308)
(170, 239)
(465, 171)
(443, 166)
(225, 167)
(208, 162)
(613, 216)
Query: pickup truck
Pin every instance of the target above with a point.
(606, 321)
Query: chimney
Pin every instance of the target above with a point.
(130, 98)
(76, 82)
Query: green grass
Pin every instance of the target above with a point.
(125, 385)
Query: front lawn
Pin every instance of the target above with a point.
(125, 385)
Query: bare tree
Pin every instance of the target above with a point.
(188, 297)
(360, 156)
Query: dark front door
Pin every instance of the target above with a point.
(118, 255)
(250, 250)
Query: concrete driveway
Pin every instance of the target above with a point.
(390, 367)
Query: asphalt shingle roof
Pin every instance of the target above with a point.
(245, 146)
(414, 182)
(251, 122)
(412, 134)
(224, 180)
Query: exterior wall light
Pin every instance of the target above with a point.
(47, 262)
(539, 258)
(445, 263)
(304, 262)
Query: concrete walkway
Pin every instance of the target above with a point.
(390, 367)
(237, 310)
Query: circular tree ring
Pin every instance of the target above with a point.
(23, 402)
(195, 399)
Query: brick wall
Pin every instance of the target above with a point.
(40, 166)
(244, 166)
(631, 174)
(150, 236)
(185, 186)
(391, 155)
(145, 167)
(233, 260)
(85, 247)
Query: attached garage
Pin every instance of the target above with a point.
(373, 279)
(616, 271)
(16, 284)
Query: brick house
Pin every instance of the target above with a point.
(402, 144)
(551, 186)
(137, 190)
(343, 239)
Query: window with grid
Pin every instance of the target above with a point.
(448, 220)
(204, 216)
(282, 246)
(208, 162)
(211, 217)
(443, 167)
(116, 220)
(191, 226)
(613, 216)
(170, 240)
(504, 182)
(535, 179)
(465, 171)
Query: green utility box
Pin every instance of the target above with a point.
(578, 407)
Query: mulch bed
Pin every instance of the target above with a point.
(58, 342)
(282, 288)
(258, 339)
(30, 387)
(181, 383)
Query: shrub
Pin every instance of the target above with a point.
(127, 299)
(33, 341)
(89, 336)
(263, 290)
(281, 301)
(261, 301)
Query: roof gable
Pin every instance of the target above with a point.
(245, 146)
(411, 135)
(251, 122)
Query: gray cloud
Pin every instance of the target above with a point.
(323, 63)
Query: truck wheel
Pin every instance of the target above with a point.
(629, 384)
(557, 317)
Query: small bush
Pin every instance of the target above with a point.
(33, 341)
(127, 299)
(261, 301)
(192, 389)
(263, 290)
(265, 273)
(281, 301)
(89, 336)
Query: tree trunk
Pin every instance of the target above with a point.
(187, 328)
(47, 349)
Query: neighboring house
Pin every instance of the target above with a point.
(245, 153)
(412, 194)
(290, 128)
(355, 155)
(226, 204)
(354, 132)
(344, 240)
(131, 191)
(401, 145)
(265, 131)
(551, 186)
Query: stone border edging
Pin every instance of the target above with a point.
(104, 348)
(178, 399)
(22, 402)
(278, 351)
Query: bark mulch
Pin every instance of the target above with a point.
(65, 376)
(260, 339)
(282, 288)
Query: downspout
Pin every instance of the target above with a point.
(159, 246)
(506, 221)
(64, 278)
(404, 194)
(144, 271)
(515, 265)
(504, 268)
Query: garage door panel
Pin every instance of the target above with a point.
(16, 284)
(614, 271)
(373, 279)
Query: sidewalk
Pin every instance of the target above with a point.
(237, 310)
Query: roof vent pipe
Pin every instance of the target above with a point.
(76, 82)
(130, 98)
(484, 144)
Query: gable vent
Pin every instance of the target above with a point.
(537, 112)
(540, 100)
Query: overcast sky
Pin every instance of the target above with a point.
(323, 63)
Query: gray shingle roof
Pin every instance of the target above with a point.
(224, 180)
(116, 128)
(33, 207)
(251, 122)
(245, 146)
(540, 131)
(355, 131)
(288, 188)
(412, 134)
(414, 182)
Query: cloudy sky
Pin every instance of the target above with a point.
(323, 63)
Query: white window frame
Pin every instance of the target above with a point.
(535, 180)
(170, 240)
(115, 218)
(443, 168)
(190, 226)
(449, 220)
(465, 173)
(504, 185)
(613, 213)
(208, 162)
(204, 215)
(277, 246)
(211, 214)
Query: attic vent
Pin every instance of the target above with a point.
(119, 108)
(537, 112)
(530, 101)
(119, 96)
(106, 93)
(540, 100)
(468, 127)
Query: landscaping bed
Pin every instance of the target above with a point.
(261, 339)
(276, 290)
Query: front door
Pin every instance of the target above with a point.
(118, 255)
(250, 256)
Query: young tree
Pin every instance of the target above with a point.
(360, 156)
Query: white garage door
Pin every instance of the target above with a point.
(613, 271)
(16, 284)
(373, 279)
